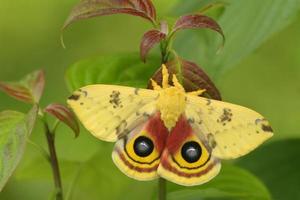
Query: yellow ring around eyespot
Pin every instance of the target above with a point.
(147, 159)
(202, 160)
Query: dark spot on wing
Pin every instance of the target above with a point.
(123, 134)
(208, 102)
(266, 128)
(146, 115)
(123, 137)
(225, 117)
(115, 99)
(74, 97)
(264, 125)
(122, 126)
(211, 141)
(85, 93)
(211, 110)
(191, 120)
(136, 91)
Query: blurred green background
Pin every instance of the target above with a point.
(267, 80)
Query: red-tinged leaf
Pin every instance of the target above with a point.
(93, 8)
(149, 39)
(62, 113)
(29, 89)
(197, 21)
(191, 76)
(16, 91)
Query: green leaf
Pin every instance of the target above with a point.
(246, 25)
(277, 165)
(126, 69)
(15, 127)
(232, 183)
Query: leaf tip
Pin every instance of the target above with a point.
(65, 115)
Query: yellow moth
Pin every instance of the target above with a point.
(167, 132)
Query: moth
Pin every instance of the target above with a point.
(167, 132)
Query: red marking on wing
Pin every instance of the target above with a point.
(178, 135)
(156, 128)
(139, 169)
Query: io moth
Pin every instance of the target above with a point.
(167, 132)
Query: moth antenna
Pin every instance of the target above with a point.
(176, 82)
(165, 77)
(197, 92)
(155, 85)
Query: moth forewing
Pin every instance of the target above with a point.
(109, 111)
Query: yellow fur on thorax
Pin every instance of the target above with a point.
(171, 104)
(172, 101)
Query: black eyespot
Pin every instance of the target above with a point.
(143, 146)
(191, 152)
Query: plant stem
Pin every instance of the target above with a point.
(54, 162)
(163, 51)
(161, 189)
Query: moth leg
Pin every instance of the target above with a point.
(197, 92)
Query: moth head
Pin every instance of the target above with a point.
(171, 104)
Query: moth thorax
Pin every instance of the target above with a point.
(171, 104)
